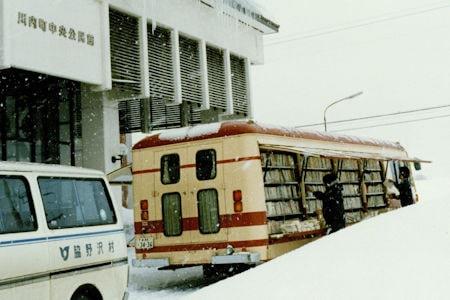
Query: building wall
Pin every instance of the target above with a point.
(2, 35)
(28, 46)
(59, 38)
(200, 21)
(71, 40)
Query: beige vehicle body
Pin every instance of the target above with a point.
(238, 192)
(61, 235)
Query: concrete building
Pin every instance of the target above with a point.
(76, 74)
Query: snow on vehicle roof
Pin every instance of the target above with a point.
(230, 128)
(10, 166)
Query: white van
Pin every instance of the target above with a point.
(61, 235)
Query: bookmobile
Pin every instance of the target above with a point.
(238, 193)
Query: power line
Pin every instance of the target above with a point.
(377, 116)
(326, 32)
(393, 123)
(281, 37)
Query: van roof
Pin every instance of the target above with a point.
(230, 128)
(46, 168)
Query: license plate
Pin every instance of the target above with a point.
(144, 242)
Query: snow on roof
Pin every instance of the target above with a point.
(403, 254)
(24, 167)
(229, 128)
(247, 11)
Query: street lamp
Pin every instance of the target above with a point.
(336, 102)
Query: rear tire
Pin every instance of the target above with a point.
(219, 272)
(87, 292)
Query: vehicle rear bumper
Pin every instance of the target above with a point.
(150, 263)
(237, 258)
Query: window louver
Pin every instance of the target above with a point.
(195, 113)
(160, 64)
(216, 78)
(190, 70)
(125, 54)
(161, 80)
(239, 85)
(130, 116)
(163, 116)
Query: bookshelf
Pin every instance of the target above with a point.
(349, 177)
(313, 172)
(281, 188)
(373, 180)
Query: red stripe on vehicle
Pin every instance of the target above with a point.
(187, 166)
(205, 246)
(226, 221)
(224, 161)
(238, 159)
(146, 171)
(290, 237)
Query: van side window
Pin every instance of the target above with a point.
(171, 206)
(170, 168)
(16, 207)
(208, 211)
(205, 161)
(76, 202)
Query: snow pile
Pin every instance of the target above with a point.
(189, 132)
(151, 283)
(403, 254)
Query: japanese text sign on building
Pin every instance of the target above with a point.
(55, 29)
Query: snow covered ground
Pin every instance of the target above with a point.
(404, 254)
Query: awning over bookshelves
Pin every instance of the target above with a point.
(329, 153)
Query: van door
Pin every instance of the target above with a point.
(207, 192)
(23, 243)
(171, 199)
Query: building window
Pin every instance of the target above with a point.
(74, 202)
(162, 84)
(171, 206)
(125, 55)
(205, 161)
(208, 211)
(16, 208)
(40, 117)
(239, 85)
(216, 78)
(170, 169)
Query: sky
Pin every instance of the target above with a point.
(395, 52)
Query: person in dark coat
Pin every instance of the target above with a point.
(404, 187)
(332, 203)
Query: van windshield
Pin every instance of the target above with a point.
(76, 202)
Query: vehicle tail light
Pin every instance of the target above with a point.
(144, 204)
(237, 195)
(237, 199)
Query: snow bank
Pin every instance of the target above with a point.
(403, 254)
(151, 283)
